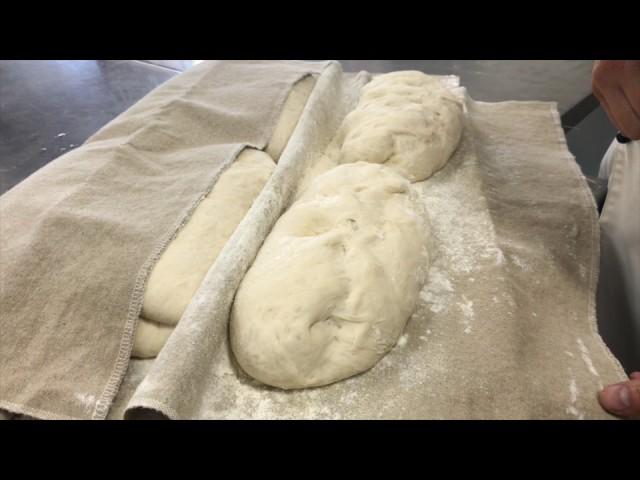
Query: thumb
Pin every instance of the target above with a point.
(622, 399)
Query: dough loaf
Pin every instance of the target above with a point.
(406, 120)
(184, 264)
(337, 279)
(335, 282)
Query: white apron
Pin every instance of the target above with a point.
(619, 285)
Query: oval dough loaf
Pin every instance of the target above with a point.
(406, 120)
(335, 282)
(184, 264)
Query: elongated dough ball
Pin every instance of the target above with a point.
(291, 112)
(335, 282)
(184, 264)
(182, 267)
(408, 121)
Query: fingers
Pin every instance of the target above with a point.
(631, 91)
(622, 399)
(603, 103)
(619, 109)
(616, 84)
(600, 81)
(624, 117)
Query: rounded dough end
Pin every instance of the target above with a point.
(335, 282)
(408, 121)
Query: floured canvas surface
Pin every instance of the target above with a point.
(80, 236)
(506, 323)
(505, 327)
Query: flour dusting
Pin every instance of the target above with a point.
(587, 360)
(465, 241)
(464, 245)
(573, 390)
(572, 409)
(87, 400)
(467, 311)
(438, 290)
(470, 289)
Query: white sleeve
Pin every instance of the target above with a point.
(605, 164)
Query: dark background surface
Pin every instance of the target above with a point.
(48, 107)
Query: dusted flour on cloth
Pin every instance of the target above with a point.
(79, 237)
(505, 327)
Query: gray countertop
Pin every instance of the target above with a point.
(48, 107)
(562, 81)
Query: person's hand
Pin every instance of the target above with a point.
(616, 84)
(622, 399)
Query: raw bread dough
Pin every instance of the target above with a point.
(149, 338)
(291, 112)
(335, 282)
(184, 264)
(406, 120)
